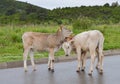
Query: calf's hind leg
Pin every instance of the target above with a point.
(83, 60)
(25, 54)
(101, 62)
(31, 53)
(99, 65)
(92, 53)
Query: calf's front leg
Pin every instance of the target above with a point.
(51, 60)
(79, 58)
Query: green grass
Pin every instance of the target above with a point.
(11, 48)
(110, 32)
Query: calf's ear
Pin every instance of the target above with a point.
(60, 29)
(72, 42)
(71, 37)
(61, 26)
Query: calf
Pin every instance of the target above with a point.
(33, 41)
(91, 41)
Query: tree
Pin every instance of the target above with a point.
(106, 5)
(10, 11)
(115, 4)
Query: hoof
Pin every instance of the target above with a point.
(101, 72)
(52, 70)
(49, 69)
(26, 70)
(90, 74)
(34, 69)
(83, 70)
(66, 55)
(77, 71)
(97, 68)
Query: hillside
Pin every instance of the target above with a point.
(13, 11)
(96, 13)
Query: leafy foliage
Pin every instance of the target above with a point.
(82, 23)
(12, 11)
(15, 12)
(11, 47)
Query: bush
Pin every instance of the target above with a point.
(15, 37)
(82, 23)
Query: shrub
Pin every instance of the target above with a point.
(15, 37)
(82, 23)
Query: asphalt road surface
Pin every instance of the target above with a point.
(65, 73)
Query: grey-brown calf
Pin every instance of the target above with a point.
(33, 41)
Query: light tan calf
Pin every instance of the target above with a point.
(91, 41)
(33, 41)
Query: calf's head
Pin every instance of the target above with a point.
(65, 32)
(67, 45)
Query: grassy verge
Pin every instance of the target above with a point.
(11, 48)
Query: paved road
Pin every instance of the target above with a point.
(65, 73)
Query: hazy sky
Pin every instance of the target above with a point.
(51, 4)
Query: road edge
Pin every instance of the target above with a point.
(15, 64)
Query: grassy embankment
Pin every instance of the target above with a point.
(11, 48)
